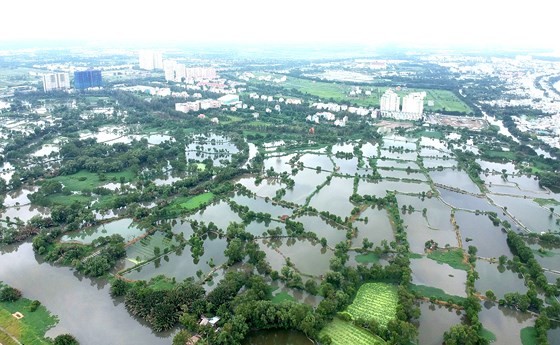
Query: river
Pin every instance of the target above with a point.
(84, 306)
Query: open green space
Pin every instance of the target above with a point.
(85, 180)
(61, 199)
(196, 201)
(344, 333)
(438, 294)
(453, 258)
(281, 297)
(367, 258)
(529, 336)
(144, 249)
(29, 330)
(377, 301)
(443, 100)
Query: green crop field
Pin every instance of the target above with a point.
(344, 333)
(443, 100)
(375, 301)
(453, 258)
(143, 250)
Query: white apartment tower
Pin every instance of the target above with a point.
(390, 101)
(150, 60)
(56, 81)
(413, 105)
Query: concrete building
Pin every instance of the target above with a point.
(196, 73)
(390, 101)
(87, 79)
(187, 107)
(413, 105)
(229, 99)
(56, 81)
(150, 60)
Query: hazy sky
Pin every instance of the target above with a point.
(427, 22)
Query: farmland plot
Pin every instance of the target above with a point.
(375, 301)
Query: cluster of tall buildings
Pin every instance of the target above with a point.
(178, 72)
(174, 71)
(412, 105)
(82, 80)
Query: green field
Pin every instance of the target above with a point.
(444, 100)
(345, 333)
(86, 180)
(453, 258)
(29, 330)
(281, 297)
(196, 201)
(439, 294)
(376, 301)
(529, 336)
(367, 258)
(488, 335)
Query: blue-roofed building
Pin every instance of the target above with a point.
(86, 79)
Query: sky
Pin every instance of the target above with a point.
(434, 23)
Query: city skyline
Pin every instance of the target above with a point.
(431, 23)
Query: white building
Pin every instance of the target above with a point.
(56, 81)
(413, 104)
(150, 60)
(187, 107)
(390, 101)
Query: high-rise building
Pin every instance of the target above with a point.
(56, 81)
(150, 60)
(86, 79)
(200, 73)
(413, 104)
(390, 101)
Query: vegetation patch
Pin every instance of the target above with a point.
(84, 180)
(197, 201)
(546, 202)
(375, 301)
(281, 297)
(453, 258)
(438, 294)
(367, 258)
(344, 333)
(488, 335)
(29, 330)
(529, 336)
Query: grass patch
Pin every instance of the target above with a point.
(376, 301)
(453, 258)
(200, 166)
(84, 180)
(197, 201)
(367, 258)
(529, 336)
(488, 335)
(439, 294)
(161, 283)
(60, 199)
(415, 256)
(281, 297)
(547, 202)
(344, 333)
(29, 330)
